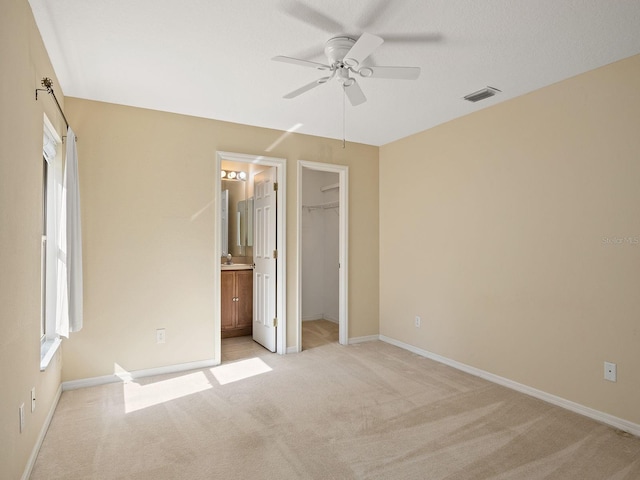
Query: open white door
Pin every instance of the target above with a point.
(265, 258)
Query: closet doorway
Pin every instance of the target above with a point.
(322, 247)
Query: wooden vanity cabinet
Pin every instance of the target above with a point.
(236, 299)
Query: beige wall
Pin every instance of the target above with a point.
(23, 63)
(491, 228)
(498, 219)
(148, 226)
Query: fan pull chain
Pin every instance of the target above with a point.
(344, 116)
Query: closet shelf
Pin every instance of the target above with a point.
(322, 205)
(330, 187)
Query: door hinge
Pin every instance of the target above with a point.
(275, 186)
(275, 322)
(275, 254)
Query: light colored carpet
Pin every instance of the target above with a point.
(369, 411)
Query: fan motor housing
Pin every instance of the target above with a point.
(336, 48)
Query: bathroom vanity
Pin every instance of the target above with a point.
(236, 300)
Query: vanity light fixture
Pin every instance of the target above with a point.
(233, 175)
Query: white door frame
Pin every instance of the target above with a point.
(281, 228)
(343, 249)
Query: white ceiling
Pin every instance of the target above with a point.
(212, 58)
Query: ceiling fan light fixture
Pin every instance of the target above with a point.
(365, 72)
(482, 94)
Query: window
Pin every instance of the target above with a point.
(43, 253)
(51, 189)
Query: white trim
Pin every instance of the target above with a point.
(43, 432)
(281, 269)
(603, 417)
(132, 375)
(50, 342)
(51, 131)
(366, 338)
(343, 255)
(293, 350)
(48, 350)
(89, 382)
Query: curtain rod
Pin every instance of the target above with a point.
(47, 83)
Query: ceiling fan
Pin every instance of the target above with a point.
(345, 58)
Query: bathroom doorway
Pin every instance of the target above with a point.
(251, 165)
(322, 253)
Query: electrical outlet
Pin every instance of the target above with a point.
(21, 412)
(33, 399)
(610, 371)
(418, 321)
(160, 335)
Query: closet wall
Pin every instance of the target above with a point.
(319, 246)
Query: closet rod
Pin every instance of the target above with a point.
(47, 83)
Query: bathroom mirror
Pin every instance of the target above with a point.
(236, 217)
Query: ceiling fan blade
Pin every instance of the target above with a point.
(304, 63)
(311, 16)
(402, 73)
(354, 93)
(310, 53)
(307, 87)
(363, 47)
(374, 12)
(412, 38)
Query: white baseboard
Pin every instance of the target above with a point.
(603, 417)
(352, 341)
(43, 431)
(127, 376)
(367, 338)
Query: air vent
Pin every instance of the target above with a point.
(482, 94)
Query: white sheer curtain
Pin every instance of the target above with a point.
(69, 311)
